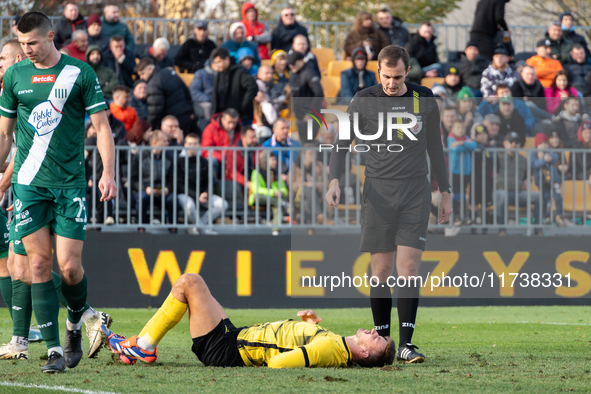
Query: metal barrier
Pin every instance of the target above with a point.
(289, 195)
(451, 38)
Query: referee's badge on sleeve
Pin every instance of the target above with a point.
(415, 130)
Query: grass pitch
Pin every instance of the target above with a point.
(468, 349)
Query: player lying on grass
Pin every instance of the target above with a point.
(217, 342)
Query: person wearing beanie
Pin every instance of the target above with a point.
(466, 106)
(193, 54)
(357, 77)
(568, 31)
(246, 60)
(94, 28)
(106, 77)
(545, 66)
(238, 40)
(472, 65)
(452, 82)
(543, 163)
(280, 73)
(67, 24)
(499, 72)
(256, 31)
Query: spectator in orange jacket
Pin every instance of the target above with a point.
(546, 67)
(222, 131)
(256, 31)
(120, 107)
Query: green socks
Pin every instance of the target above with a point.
(57, 282)
(21, 315)
(46, 308)
(6, 291)
(76, 298)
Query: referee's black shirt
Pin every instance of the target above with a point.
(411, 162)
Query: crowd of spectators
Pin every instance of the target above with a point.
(240, 96)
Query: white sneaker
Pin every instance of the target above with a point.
(452, 231)
(94, 332)
(109, 221)
(13, 352)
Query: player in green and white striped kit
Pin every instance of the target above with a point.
(47, 95)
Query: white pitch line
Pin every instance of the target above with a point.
(54, 388)
(539, 322)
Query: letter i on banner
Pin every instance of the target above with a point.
(244, 273)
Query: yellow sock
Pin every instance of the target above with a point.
(170, 313)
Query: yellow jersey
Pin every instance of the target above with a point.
(290, 344)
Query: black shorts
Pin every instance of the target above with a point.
(394, 212)
(218, 348)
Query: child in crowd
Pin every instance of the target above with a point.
(546, 178)
(483, 166)
(560, 89)
(120, 107)
(139, 98)
(265, 184)
(461, 148)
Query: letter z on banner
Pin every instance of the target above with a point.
(44, 119)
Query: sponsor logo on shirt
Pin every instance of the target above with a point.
(43, 78)
(25, 91)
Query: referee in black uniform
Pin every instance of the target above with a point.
(396, 193)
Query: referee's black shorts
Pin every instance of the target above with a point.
(394, 212)
(219, 348)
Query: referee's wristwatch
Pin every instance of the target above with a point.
(447, 190)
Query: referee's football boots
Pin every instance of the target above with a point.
(408, 355)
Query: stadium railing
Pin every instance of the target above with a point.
(450, 38)
(304, 209)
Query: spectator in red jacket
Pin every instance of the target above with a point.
(222, 131)
(256, 31)
(79, 45)
(240, 175)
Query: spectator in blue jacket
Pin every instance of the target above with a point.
(281, 139)
(246, 60)
(201, 88)
(543, 165)
(357, 77)
(460, 147)
(491, 104)
(238, 40)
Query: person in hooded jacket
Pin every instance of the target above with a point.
(357, 77)
(256, 31)
(364, 34)
(238, 40)
(107, 77)
(286, 30)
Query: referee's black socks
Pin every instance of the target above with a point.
(408, 303)
(381, 308)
